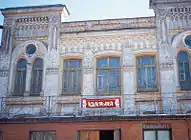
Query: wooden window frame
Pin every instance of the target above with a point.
(108, 92)
(16, 76)
(31, 90)
(147, 66)
(71, 69)
(184, 82)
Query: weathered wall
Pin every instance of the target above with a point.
(131, 130)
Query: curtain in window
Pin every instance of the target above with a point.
(157, 135)
(37, 76)
(72, 76)
(20, 77)
(146, 73)
(43, 136)
(108, 75)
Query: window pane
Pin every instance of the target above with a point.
(102, 63)
(114, 80)
(102, 81)
(163, 135)
(149, 135)
(182, 56)
(114, 62)
(146, 60)
(37, 73)
(72, 76)
(20, 77)
(138, 60)
(187, 71)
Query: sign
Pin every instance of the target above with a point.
(101, 102)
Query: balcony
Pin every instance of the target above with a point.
(128, 105)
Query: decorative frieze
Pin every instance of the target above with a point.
(166, 66)
(51, 71)
(4, 73)
(156, 126)
(148, 22)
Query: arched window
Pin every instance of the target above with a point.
(184, 70)
(20, 77)
(37, 74)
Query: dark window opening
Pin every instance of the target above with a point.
(106, 135)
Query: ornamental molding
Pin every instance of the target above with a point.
(108, 24)
(166, 66)
(4, 72)
(156, 126)
(52, 71)
(128, 68)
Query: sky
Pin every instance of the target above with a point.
(90, 9)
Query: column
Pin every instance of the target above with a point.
(128, 81)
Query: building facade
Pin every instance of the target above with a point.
(100, 79)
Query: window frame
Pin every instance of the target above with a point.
(156, 132)
(155, 65)
(185, 82)
(108, 68)
(70, 69)
(15, 93)
(32, 72)
(42, 131)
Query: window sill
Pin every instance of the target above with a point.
(147, 90)
(108, 94)
(71, 94)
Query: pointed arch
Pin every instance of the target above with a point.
(20, 77)
(37, 77)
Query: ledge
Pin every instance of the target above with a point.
(74, 119)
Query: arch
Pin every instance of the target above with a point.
(19, 52)
(20, 49)
(20, 77)
(37, 77)
(179, 46)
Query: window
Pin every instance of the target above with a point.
(72, 77)
(42, 135)
(157, 134)
(20, 77)
(30, 49)
(108, 75)
(146, 73)
(37, 75)
(184, 70)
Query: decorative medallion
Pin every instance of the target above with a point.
(30, 49)
(187, 41)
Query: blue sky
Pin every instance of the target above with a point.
(90, 9)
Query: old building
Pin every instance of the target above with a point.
(111, 79)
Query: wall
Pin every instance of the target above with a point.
(130, 130)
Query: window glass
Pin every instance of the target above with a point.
(114, 62)
(183, 65)
(43, 136)
(20, 77)
(146, 73)
(108, 74)
(149, 135)
(102, 63)
(37, 77)
(72, 76)
(163, 135)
